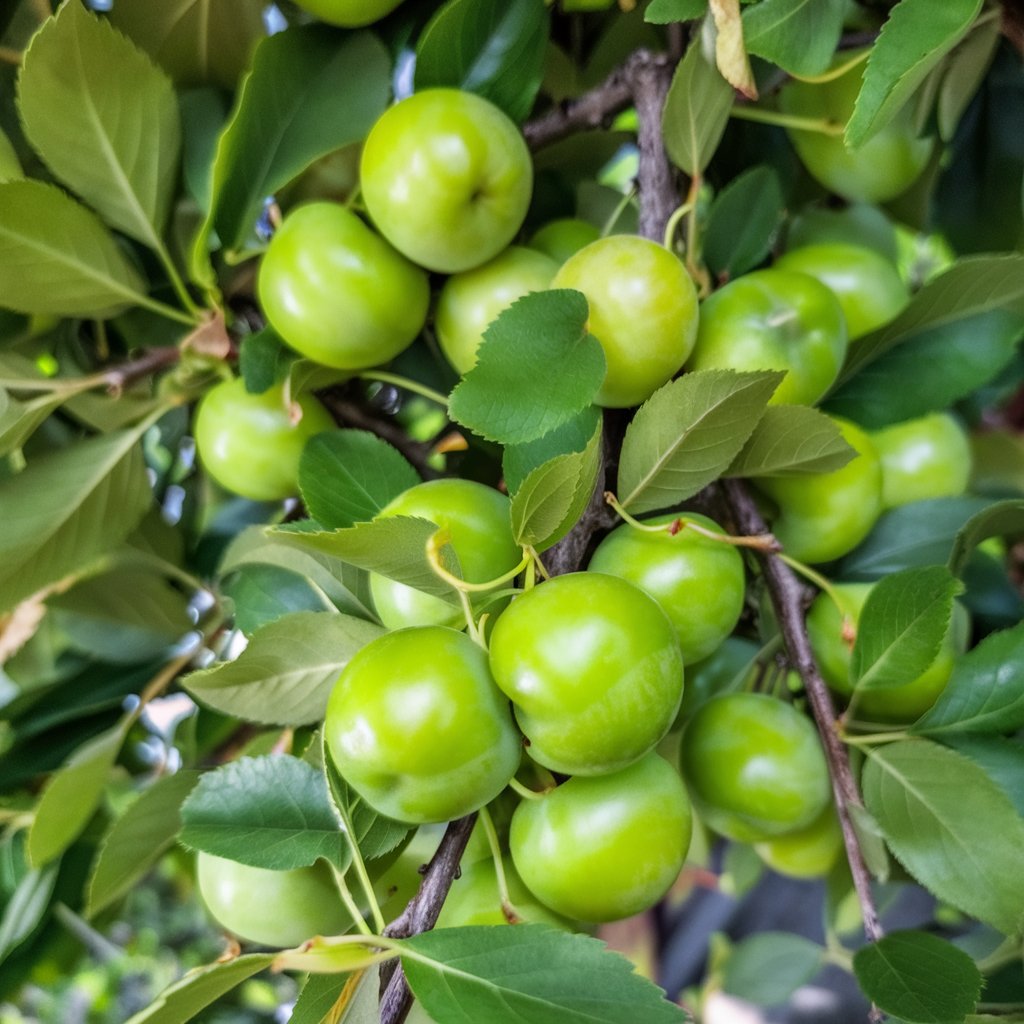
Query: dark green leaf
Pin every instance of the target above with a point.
(203, 113)
(261, 360)
(494, 48)
(919, 978)
(353, 998)
(530, 974)
(664, 12)
(688, 433)
(1001, 759)
(790, 440)
(519, 460)
(268, 812)
(951, 827)
(798, 35)
(287, 671)
(902, 626)
(1004, 518)
(318, 997)
(767, 969)
(261, 594)
(511, 396)
(26, 908)
(743, 222)
(966, 67)
(348, 476)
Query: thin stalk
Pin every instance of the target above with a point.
(350, 904)
(837, 72)
(620, 208)
(780, 120)
(524, 791)
(507, 907)
(359, 866)
(176, 281)
(407, 384)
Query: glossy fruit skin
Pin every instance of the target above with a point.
(447, 179)
(807, 853)
(699, 583)
(929, 457)
(336, 292)
(593, 667)
(564, 237)
(643, 311)
(471, 300)
(774, 320)
(754, 767)
(477, 520)
(822, 516)
(271, 908)
(868, 286)
(417, 727)
(833, 651)
(349, 13)
(604, 848)
(884, 167)
(248, 444)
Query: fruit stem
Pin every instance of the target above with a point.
(524, 791)
(673, 222)
(821, 583)
(874, 738)
(780, 120)
(491, 832)
(620, 209)
(382, 377)
(350, 903)
(176, 281)
(833, 73)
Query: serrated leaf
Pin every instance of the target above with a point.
(67, 508)
(26, 907)
(138, 839)
(790, 441)
(287, 671)
(688, 433)
(919, 978)
(998, 520)
(965, 70)
(553, 496)
(902, 626)
(520, 460)
(494, 48)
(348, 476)
(767, 969)
(743, 222)
(184, 999)
(261, 360)
(529, 974)
(56, 257)
(104, 118)
(1001, 759)
(985, 692)
(269, 812)
(916, 36)
(800, 36)
(664, 12)
(696, 111)
(261, 594)
(951, 827)
(287, 116)
(510, 395)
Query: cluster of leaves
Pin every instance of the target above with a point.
(136, 155)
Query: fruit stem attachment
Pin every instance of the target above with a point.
(874, 738)
(780, 120)
(507, 908)
(350, 903)
(673, 222)
(381, 377)
(833, 73)
(524, 791)
(434, 557)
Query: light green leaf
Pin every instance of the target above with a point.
(286, 673)
(199, 988)
(951, 827)
(26, 907)
(138, 839)
(56, 257)
(510, 395)
(998, 520)
(664, 12)
(10, 166)
(767, 969)
(104, 118)
(916, 36)
(696, 111)
(919, 978)
(67, 508)
(269, 812)
(348, 476)
(520, 460)
(327, 956)
(790, 440)
(800, 36)
(743, 222)
(529, 974)
(319, 997)
(688, 433)
(20, 420)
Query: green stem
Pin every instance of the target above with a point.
(350, 903)
(176, 281)
(507, 907)
(673, 222)
(524, 791)
(1007, 952)
(407, 384)
(780, 120)
(620, 208)
(359, 866)
(833, 73)
(875, 738)
(161, 308)
(818, 580)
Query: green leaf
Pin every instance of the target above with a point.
(998, 520)
(57, 258)
(67, 508)
(688, 433)
(901, 628)
(197, 42)
(261, 360)
(494, 48)
(973, 285)
(800, 36)
(327, 956)
(916, 36)
(529, 974)
(261, 594)
(348, 476)
(696, 111)
(26, 907)
(287, 116)
(287, 671)
(767, 969)
(664, 12)
(105, 119)
(1001, 759)
(268, 812)
(352, 999)
(553, 496)
(511, 395)
(318, 997)
(10, 166)
(138, 839)
(743, 222)
(520, 460)
(790, 440)
(199, 988)
(951, 827)
(919, 978)
(964, 73)
(985, 692)
(20, 420)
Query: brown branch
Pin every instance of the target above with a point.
(594, 109)
(650, 76)
(118, 377)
